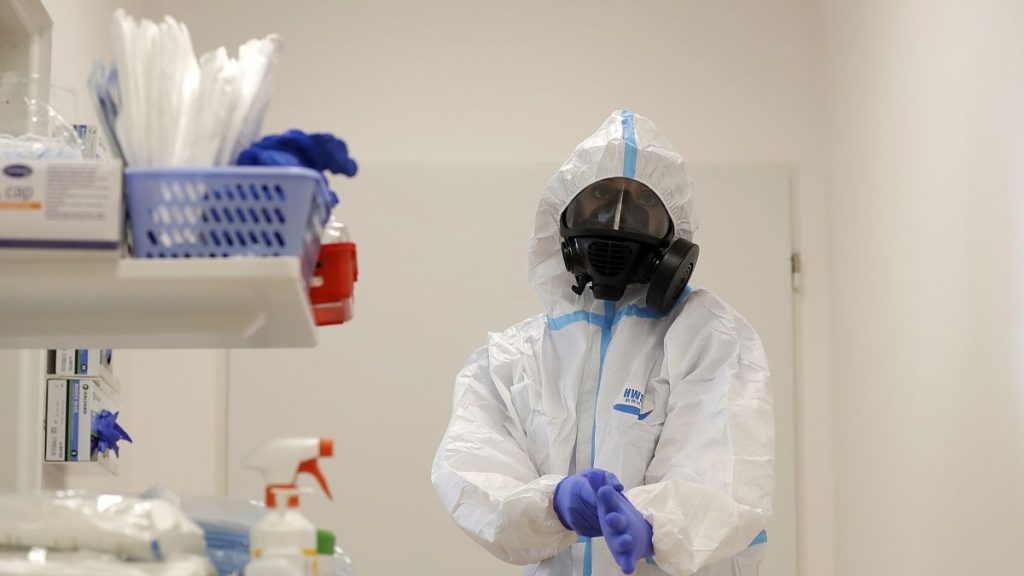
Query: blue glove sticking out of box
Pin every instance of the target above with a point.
(107, 432)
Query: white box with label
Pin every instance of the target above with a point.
(90, 363)
(86, 398)
(56, 421)
(61, 208)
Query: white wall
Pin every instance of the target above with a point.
(459, 80)
(9, 386)
(926, 109)
(80, 36)
(21, 421)
(20, 53)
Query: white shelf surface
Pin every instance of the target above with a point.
(140, 303)
(106, 465)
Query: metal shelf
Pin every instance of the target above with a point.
(139, 303)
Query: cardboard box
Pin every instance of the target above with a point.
(87, 397)
(91, 363)
(56, 420)
(60, 209)
(71, 404)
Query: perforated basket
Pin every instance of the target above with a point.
(226, 212)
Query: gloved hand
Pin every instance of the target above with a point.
(575, 500)
(628, 534)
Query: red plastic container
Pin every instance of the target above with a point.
(333, 284)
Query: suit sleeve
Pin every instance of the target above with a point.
(708, 489)
(483, 474)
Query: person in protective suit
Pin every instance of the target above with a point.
(630, 426)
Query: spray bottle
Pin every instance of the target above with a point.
(284, 535)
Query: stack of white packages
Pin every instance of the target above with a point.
(81, 534)
(172, 109)
(43, 562)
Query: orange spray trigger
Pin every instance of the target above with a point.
(326, 447)
(312, 467)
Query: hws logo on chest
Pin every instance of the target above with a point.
(632, 402)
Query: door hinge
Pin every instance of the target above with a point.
(796, 268)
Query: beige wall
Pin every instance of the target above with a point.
(80, 36)
(928, 309)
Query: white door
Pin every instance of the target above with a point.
(442, 253)
(745, 239)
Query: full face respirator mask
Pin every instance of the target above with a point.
(617, 232)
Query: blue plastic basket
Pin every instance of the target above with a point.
(226, 212)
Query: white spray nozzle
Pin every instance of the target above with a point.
(282, 460)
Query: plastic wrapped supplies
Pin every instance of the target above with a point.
(227, 524)
(126, 527)
(164, 107)
(29, 147)
(31, 129)
(42, 562)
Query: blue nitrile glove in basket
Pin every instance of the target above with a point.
(321, 152)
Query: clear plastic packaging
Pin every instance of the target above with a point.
(276, 565)
(335, 232)
(342, 565)
(123, 526)
(331, 560)
(226, 524)
(227, 550)
(31, 129)
(160, 105)
(43, 562)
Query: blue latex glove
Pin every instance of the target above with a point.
(322, 152)
(575, 500)
(628, 534)
(107, 433)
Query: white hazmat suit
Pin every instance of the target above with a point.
(677, 405)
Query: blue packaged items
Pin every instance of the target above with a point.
(226, 547)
